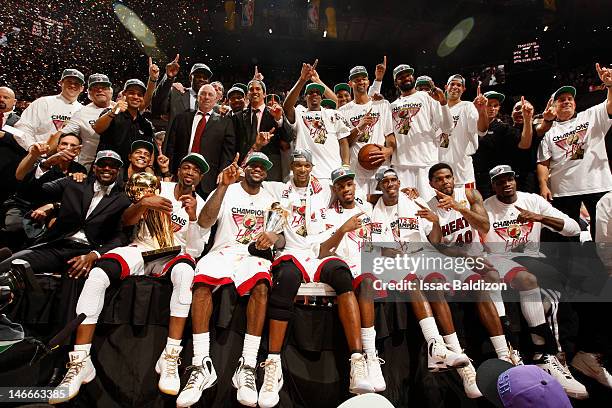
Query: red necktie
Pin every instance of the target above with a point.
(195, 147)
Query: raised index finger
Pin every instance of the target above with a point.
(236, 158)
(385, 60)
(519, 208)
(419, 204)
(150, 61)
(522, 100)
(598, 68)
(440, 194)
(315, 63)
(478, 90)
(176, 59)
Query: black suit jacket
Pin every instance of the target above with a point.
(102, 228)
(167, 100)
(10, 156)
(246, 134)
(218, 145)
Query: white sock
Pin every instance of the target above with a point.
(250, 349)
(356, 355)
(201, 347)
(274, 357)
(368, 338)
(500, 345)
(498, 301)
(452, 341)
(533, 310)
(173, 342)
(430, 329)
(83, 347)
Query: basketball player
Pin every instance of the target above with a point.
(416, 117)
(370, 122)
(238, 209)
(179, 202)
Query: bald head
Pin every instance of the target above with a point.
(207, 97)
(7, 99)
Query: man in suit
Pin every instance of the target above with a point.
(167, 100)
(88, 223)
(10, 152)
(259, 123)
(204, 132)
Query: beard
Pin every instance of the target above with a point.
(406, 86)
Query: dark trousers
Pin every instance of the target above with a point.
(50, 257)
(570, 205)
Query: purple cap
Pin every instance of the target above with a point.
(524, 386)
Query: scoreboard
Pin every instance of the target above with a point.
(528, 52)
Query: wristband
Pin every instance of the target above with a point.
(152, 80)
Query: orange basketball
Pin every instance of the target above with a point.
(364, 156)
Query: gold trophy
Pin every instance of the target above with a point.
(154, 224)
(274, 221)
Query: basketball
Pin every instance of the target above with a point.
(364, 156)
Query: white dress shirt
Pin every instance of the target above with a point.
(99, 192)
(196, 121)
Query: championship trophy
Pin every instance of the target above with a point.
(155, 227)
(274, 221)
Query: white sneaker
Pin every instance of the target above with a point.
(514, 357)
(590, 365)
(244, 381)
(440, 358)
(80, 371)
(167, 366)
(272, 384)
(468, 376)
(561, 373)
(375, 374)
(202, 377)
(360, 382)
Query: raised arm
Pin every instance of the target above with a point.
(294, 93)
(209, 214)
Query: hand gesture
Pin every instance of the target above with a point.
(605, 74)
(81, 265)
(411, 192)
(352, 224)
(231, 174)
(263, 138)
(480, 102)
(306, 72)
(380, 70)
(546, 193)
(265, 240)
(258, 75)
(527, 216)
(179, 87)
(157, 203)
(367, 120)
(527, 110)
(172, 68)
(66, 156)
(121, 105)
(164, 163)
(41, 213)
(38, 149)
(277, 112)
(377, 97)
(224, 110)
(78, 177)
(550, 113)
(189, 204)
(426, 213)
(438, 95)
(153, 70)
(447, 202)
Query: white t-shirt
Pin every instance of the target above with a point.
(44, 117)
(325, 221)
(81, 124)
(416, 118)
(400, 225)
(300, 202)
(319, 132)
(241, 218)
(457, 147)
(375, 133)
(509, 238)
(577, 152)
(603, 233)
(188, 234)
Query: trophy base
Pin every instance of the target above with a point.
(261, 253)
(148, 256)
